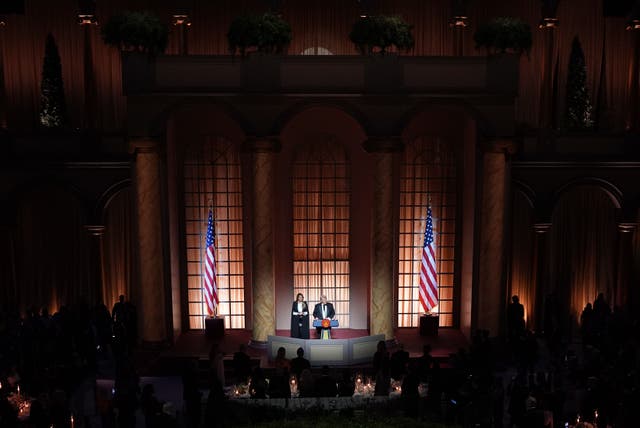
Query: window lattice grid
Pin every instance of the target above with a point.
(321, 198)
(428, 173)
(212, 179)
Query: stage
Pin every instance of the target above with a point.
(196, 345)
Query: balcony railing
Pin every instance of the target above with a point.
(453, 76)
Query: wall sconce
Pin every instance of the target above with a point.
(459, 21)
(548, 23)
(634, 24)
(181, 19)
(87, 19)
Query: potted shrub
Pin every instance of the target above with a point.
(504, 35)
(137, 32)
(267, 33)
(372, 34)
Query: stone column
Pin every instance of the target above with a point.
(262, 240)
(490, 294)
(96, 232)
(151, 294)
(540, 272)
(625, 262)
(382, 260)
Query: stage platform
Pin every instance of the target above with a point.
(195, 345)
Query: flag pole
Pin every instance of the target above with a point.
(215, 307)
(428, 312)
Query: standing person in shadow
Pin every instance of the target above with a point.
(300, 318)
(323, 310)
(515, 319)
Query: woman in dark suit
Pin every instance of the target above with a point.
(300, 318)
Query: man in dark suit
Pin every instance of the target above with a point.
(323, 310)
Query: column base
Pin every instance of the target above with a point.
(258, 344)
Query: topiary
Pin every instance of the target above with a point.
(504, 35)
(136, 31)
(381, 32)
(267, 33)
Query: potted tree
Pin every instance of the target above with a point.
(267, 33)
(53, 109)
(376, 34)
(504, 35)
(579, 113)
(136, 32)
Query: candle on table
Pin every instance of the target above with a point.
(72, 424)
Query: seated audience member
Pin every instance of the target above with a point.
(398, 363)
(299, 363)
(306, 386)
(346, 386)
(325, 384)
(383, 383)
(281, 362)
(258, 387)
(241, 364)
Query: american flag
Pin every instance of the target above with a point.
(428, 275)
(210, 273)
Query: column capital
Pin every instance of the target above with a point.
(94, 229)
(262, 145)
(499, 145)
(143, 145)
(383, 145)
(541, 228)
(627, 228)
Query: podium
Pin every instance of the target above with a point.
(214, 327)
(325, 333)
(429, 325)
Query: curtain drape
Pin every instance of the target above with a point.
(51, 251)
(315, 23)
(522, 273)
(582, 248)
(119, 253)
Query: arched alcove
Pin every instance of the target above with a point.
(582, 248)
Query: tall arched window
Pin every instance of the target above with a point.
(212, 180)
(428, 173)
(321, 225)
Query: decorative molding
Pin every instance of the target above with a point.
(262, 145)
(143, 145)
(383, 145)
(576, 164)
(541, 228)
